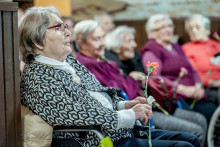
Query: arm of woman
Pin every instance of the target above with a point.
(51, 102)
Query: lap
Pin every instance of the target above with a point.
(158, 137)
(139, 142)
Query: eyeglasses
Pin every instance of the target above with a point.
(163, 27)
(60, 27)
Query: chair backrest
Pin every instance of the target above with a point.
(35, 131)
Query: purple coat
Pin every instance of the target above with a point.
(169, 62)
(109, 75)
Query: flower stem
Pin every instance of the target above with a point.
(149, 137)
(193, 104)
(145, 91)
(161, 108)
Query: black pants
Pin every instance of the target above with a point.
(160, 138)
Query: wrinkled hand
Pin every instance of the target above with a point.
(137, 76)
(132, 103)
(143, 111)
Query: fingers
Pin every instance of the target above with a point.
(142, 111)
(141, 100)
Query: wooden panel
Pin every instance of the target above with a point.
(2, 93)
(10, 122)
(9, 79)
(8, 6)
(16, 79)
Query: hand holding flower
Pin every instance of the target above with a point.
(216, 36)
(137, 76)
(137, 100)
(143, 111)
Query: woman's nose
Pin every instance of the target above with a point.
(67, 32)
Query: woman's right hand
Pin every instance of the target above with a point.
(143, 111)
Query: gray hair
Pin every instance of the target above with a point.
(114, 39)
(205, 21)
(98, 17)
(150, 24)
(83, 29)
(31, 30)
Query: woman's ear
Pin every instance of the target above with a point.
(40, 47)
(152, 34)
(81, 43)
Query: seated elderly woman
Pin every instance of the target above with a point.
(121, 44)
(171, 58)
(64, 93)
(106, 71)
(200, 50)
(120, 47)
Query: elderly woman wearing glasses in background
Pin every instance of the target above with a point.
(64, 93)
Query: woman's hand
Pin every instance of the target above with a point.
(188, 91)
(132, 103)
(143, 111)
(199, 92)
(214, 83)
(137, 76)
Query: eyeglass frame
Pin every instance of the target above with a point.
(164, 26)
(65, 26)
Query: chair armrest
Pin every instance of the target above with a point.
(94, 129)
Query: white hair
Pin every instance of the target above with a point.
(98, 17)
(114, 39)
(150, 24)
(84, 28)
(205, 21)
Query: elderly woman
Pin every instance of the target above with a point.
(91, 55)
(200, 50)
(121, 44)
(64, 93)
(171, 58)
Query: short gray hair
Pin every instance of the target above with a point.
(205, 21)
(32, 28)
(150, 24)
(98, 17)
(83, 29)
(114, 39)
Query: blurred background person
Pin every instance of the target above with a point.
(121, 46)
(121, 42)
(171, 58)
(89, 37)
(105, 21)
(200, 50)
(70, 22)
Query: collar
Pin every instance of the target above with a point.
(50, 61)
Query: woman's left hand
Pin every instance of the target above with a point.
(137, 100)
(137, 76)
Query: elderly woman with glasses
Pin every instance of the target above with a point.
(64, 93)
(171, 58)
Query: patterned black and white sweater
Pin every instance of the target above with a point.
(52, 94)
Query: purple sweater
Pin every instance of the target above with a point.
(109, 75)
(169, 62)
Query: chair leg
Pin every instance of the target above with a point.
(214, 122)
